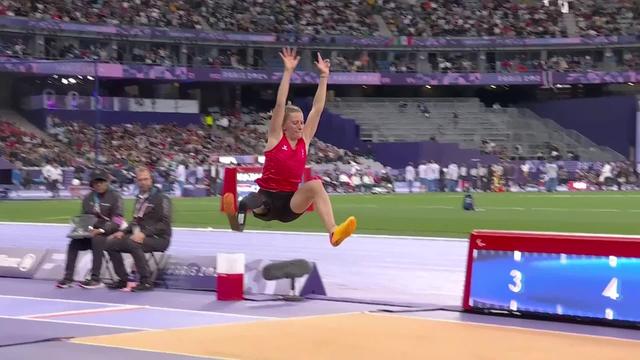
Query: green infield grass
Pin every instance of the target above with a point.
(418, 215)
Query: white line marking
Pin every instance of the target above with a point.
(142, 306)
(630, 237)
(504, 208)
(57, 218)
(434, 207)
(82, 312)
(575, 195)
(212, 313)
(556, 332)
(550, 209)
(405, 237)
(32, 223)
(559, 209)
(76, 323)
(80, 341)
(357, 205)
(306, 317)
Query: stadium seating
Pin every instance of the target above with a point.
(474, 123)
(281, 16)
(28, 147)
(510, 18)
(155, 145)
(611, 18)
(355, 17)
(473, 18)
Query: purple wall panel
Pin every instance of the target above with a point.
(113, 117)
(608, 121)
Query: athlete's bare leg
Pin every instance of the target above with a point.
(313, 192)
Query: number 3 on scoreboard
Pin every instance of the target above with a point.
(517, 281)
(611, 291)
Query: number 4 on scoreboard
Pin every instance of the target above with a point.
(611, 291)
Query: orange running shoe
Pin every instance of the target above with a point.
(343, 231)
(228, 204)
(229, 208)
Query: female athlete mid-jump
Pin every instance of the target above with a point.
(280, 197)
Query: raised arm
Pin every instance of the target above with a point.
(313, 119)
(290, 61)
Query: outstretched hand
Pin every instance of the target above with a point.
(289, 58)
(323, 65)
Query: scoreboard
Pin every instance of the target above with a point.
(555, 275)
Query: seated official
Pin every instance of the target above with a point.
(150, 230)
(106, 205)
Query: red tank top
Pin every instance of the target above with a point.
(283, 166)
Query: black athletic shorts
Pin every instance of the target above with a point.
(278, 206)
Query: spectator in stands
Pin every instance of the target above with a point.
(618, 17)
(149, 231)
(454, 18)
(453, 172)
(53, 176)
(410, 176)
(367, 182)
(17, 177)
(356, 181)
(424, 110)
(606, 175)
(464, 177)
(442, 178)
(488, 147)
(551, 174)
(279, 16)
(345, 182)
(517, 150)
(107, 206)
(422, 176)
(218, 179)
(433, 176)
(572, 155)
(160, 146)
(297, 19)
(483, 177)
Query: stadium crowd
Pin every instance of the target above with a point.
(18, 145)
(492, 18)
(153, 144)
(279, 16)
(191, 157)
(353, 17)
(616, 17)
(516, 176)
(509, 18)
(163, 148)
(343, 61)
(556, 62)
